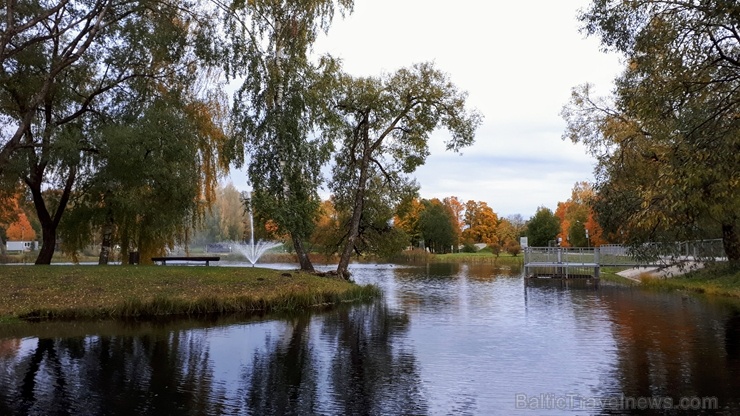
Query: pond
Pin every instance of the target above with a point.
(469, 339)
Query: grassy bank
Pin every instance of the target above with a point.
(720, 280)
(609, 274)
(420, 256)
(74, 292)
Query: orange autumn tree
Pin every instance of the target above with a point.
(482, 223)
(457, 211)
(20, 229)
(14, 224)
(578, 227)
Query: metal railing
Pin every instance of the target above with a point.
(646, 255)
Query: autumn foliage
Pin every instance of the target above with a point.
(14, 221)
(578, 227)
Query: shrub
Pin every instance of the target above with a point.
(469, 248)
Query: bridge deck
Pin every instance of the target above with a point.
(562, 270)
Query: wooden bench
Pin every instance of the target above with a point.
(206, 259)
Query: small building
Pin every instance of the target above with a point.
(22, 245)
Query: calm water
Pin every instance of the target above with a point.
(446, 339)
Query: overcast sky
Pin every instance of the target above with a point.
(518, 60)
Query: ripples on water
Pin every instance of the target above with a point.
(445, 339)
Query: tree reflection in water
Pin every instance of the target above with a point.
(352, 360)
(164, 374)
(358, 364)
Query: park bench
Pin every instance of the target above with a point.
(206, 259)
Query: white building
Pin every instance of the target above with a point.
(22, 245)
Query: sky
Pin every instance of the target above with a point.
(518, 61)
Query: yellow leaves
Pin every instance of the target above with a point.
(482, 223)
(208, 118)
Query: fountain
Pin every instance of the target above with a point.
(253, 250)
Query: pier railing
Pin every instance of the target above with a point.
(561, 262)
(586, 261)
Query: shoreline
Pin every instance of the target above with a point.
(122, 292)
(637, 274)
(720, 279)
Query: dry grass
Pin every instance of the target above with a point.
(70, 292)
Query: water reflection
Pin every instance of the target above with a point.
(349, 361)
(445, 339)
(674, 346)
(353, 363)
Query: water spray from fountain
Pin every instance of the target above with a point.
(253, 250)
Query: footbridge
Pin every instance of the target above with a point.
(586, 262)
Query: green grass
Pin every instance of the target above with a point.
(74, 292)
(503, 258)
(419, 256)
(717, 280)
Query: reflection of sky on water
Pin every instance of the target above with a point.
(232, 350)
(479, 341)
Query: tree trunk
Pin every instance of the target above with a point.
(48, 242)
(105, 246)
(303, 259)
(354, 226)
(731, 243)
(49, 224)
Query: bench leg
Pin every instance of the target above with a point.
(207, 261)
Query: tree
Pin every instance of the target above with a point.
(14, 223)
(232, 221)
(150, 187)
(279, 106)
(673, 117)
(518, 223)
(40, 42)
(481, 223)
(377, 234)
(407, 218)
(578, 227)
(508, 236)
(384, 130)
(457, 211)
(437, 226)
(542, 228)
(79, 66)
(326, 236)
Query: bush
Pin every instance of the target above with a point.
(469, 248)
(513, 248)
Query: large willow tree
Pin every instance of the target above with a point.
(668, 142)
(280, 106)
(71, 69)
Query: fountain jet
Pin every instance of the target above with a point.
(254, 250)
